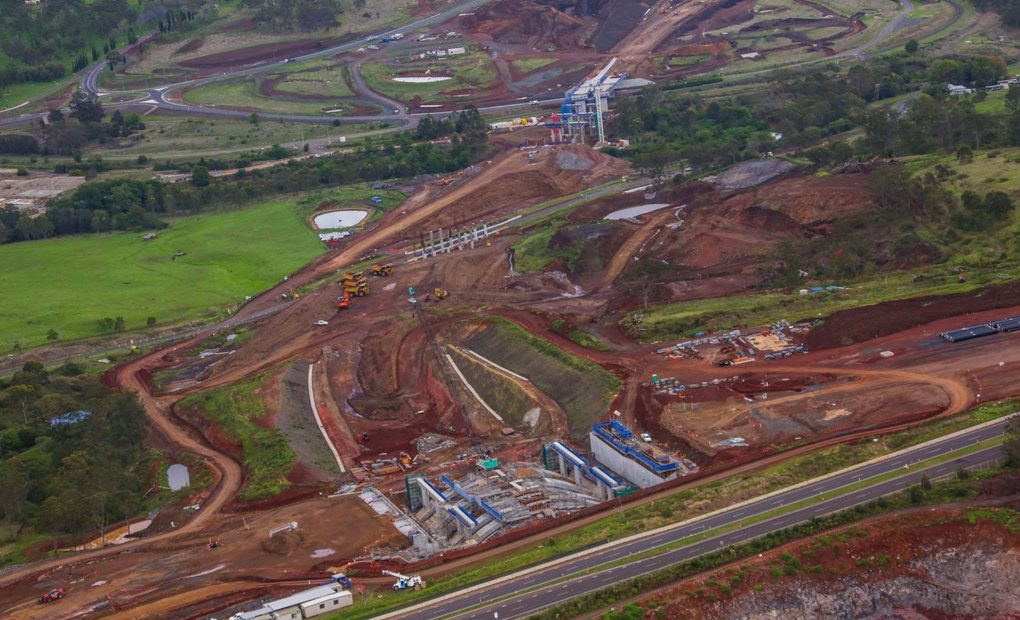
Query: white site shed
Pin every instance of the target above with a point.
(327, 603)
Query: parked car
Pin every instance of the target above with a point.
(322, 322)
(645, 437)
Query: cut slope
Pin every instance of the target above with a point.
(581, 387)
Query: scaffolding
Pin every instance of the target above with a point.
(584, 108)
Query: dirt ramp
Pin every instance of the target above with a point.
(512, 182)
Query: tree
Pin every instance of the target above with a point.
(200, 176)
(51, 335)
(253, 119)
(150, 322)
(55, 115)
(118, 324)
(1013, 98)
(925, 482)
(653, 160)
(20, 397)
(912, 46)
(86, 108)
(14, 487)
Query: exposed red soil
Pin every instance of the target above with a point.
(861, 324)
(190, 46)
(260, 53)
(238, 26)
(709, 47)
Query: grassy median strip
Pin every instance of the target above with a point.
(684, 504)
(615, 594)
(764, 516)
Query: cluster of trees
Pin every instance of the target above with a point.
(977, 212)
(1008, 10)
(973, 70)
(68, 135)
(38, 37)
(805, 109)
(174, 20)
(71, 477)
(666, 129)
(468, 124)
(306, 15)
(938, 123)
(126, 204)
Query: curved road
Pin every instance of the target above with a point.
(397, 113)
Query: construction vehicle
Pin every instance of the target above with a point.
(355, 284)
(54, 595)
(440, 293)
(404, 582)
(382, 270)
(347, 583)
(343, 302)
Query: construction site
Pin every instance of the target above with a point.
(508, 351)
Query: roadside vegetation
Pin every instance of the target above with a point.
(927, 493)
(265, 454)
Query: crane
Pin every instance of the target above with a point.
(403, 582)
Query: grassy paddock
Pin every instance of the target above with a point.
(67, 284)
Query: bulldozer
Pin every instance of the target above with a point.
(382, 270)
(440, 293)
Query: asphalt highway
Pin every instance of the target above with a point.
(534, 589)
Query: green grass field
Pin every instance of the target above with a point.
(245, 95)
(531, 63)
(471, 70)
(170, 137)
(68, 284)
(318, 78)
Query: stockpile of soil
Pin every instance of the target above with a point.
(860, 324)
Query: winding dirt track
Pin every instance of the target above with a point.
(158, 410)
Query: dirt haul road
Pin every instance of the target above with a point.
(637, 48)
(158, 410)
